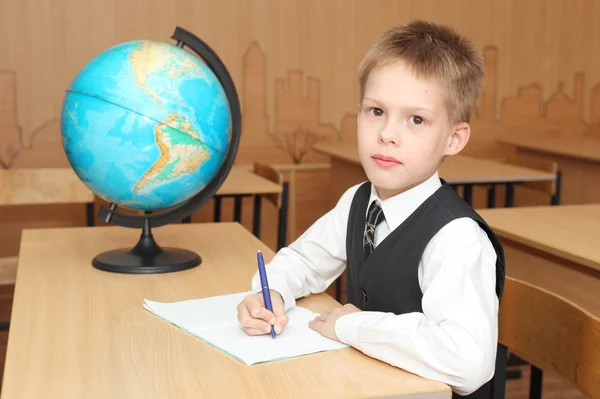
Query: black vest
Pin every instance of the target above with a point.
(388, 280)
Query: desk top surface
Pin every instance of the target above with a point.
(582, 147)
(80, 332)
(458, 169)
(241, 180)
(42, 186)
(567, 231)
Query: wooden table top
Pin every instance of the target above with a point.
(241, 180)
(582, 147)
(458, 169)
(567, 231)
(78, 332)
(42, 186)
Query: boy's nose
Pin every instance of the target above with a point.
(388, 136)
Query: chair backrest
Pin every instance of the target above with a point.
(42, 186)
(548, 187)
(270, 173)
(551, 333)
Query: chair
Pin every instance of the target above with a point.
(551, 333)
(550, 188)
(279, 200)
(36, 187)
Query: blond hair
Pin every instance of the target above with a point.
(432, 51)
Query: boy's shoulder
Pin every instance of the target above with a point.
(346, 198)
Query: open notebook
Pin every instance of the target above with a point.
(214, 320)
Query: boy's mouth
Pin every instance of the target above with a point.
(385, 161)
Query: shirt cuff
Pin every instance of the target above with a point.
(346, 326)
(358, 328)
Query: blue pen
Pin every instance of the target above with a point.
(265, 286)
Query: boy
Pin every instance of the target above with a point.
(425, 272)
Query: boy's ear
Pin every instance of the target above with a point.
(458, 139)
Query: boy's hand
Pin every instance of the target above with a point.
(325, 324)
(256, 319)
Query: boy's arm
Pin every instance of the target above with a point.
(454, 339)
(312, 262)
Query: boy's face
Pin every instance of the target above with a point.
(404, 129)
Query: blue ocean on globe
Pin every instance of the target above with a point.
(146, 125)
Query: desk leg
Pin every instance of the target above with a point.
(237, 210)
(491, 199)
(556, 197)
(468, 193)
(510, 195)
(89, 213)
(256, 217)
(283, 215)
(217, 214)
(292, 204)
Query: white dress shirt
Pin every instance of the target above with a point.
(454, 339)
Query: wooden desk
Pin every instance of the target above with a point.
(241, 182)
(43, 186)
(585, 148)
(78, 332)
(461, 170)
(578, 159)
(554, 247)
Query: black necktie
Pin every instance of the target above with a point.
(374, 217)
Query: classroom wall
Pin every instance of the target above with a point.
(294, 63)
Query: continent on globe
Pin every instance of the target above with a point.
(157, 59)
(181, 152)
(146, 125)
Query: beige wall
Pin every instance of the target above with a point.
(294, 63)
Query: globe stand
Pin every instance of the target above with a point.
(146, 257)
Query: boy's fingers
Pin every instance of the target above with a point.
(254, 331)
(282, 318)
(316, 325)
(263, 314)
(258, 324)
(247, 321)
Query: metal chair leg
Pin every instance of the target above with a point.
(535, 383)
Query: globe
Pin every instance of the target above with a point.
(146, 125)
(153, 127)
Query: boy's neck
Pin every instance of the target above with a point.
(387, 194)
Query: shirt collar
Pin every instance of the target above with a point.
(398, 208)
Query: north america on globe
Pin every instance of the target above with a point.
(146, 125)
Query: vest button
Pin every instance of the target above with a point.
(364, 295)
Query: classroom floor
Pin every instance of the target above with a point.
(553, 387)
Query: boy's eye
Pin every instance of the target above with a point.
(417, 120)
(376, 111)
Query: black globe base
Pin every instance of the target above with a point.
(146, 257)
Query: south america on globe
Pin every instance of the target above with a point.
(146, 125)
